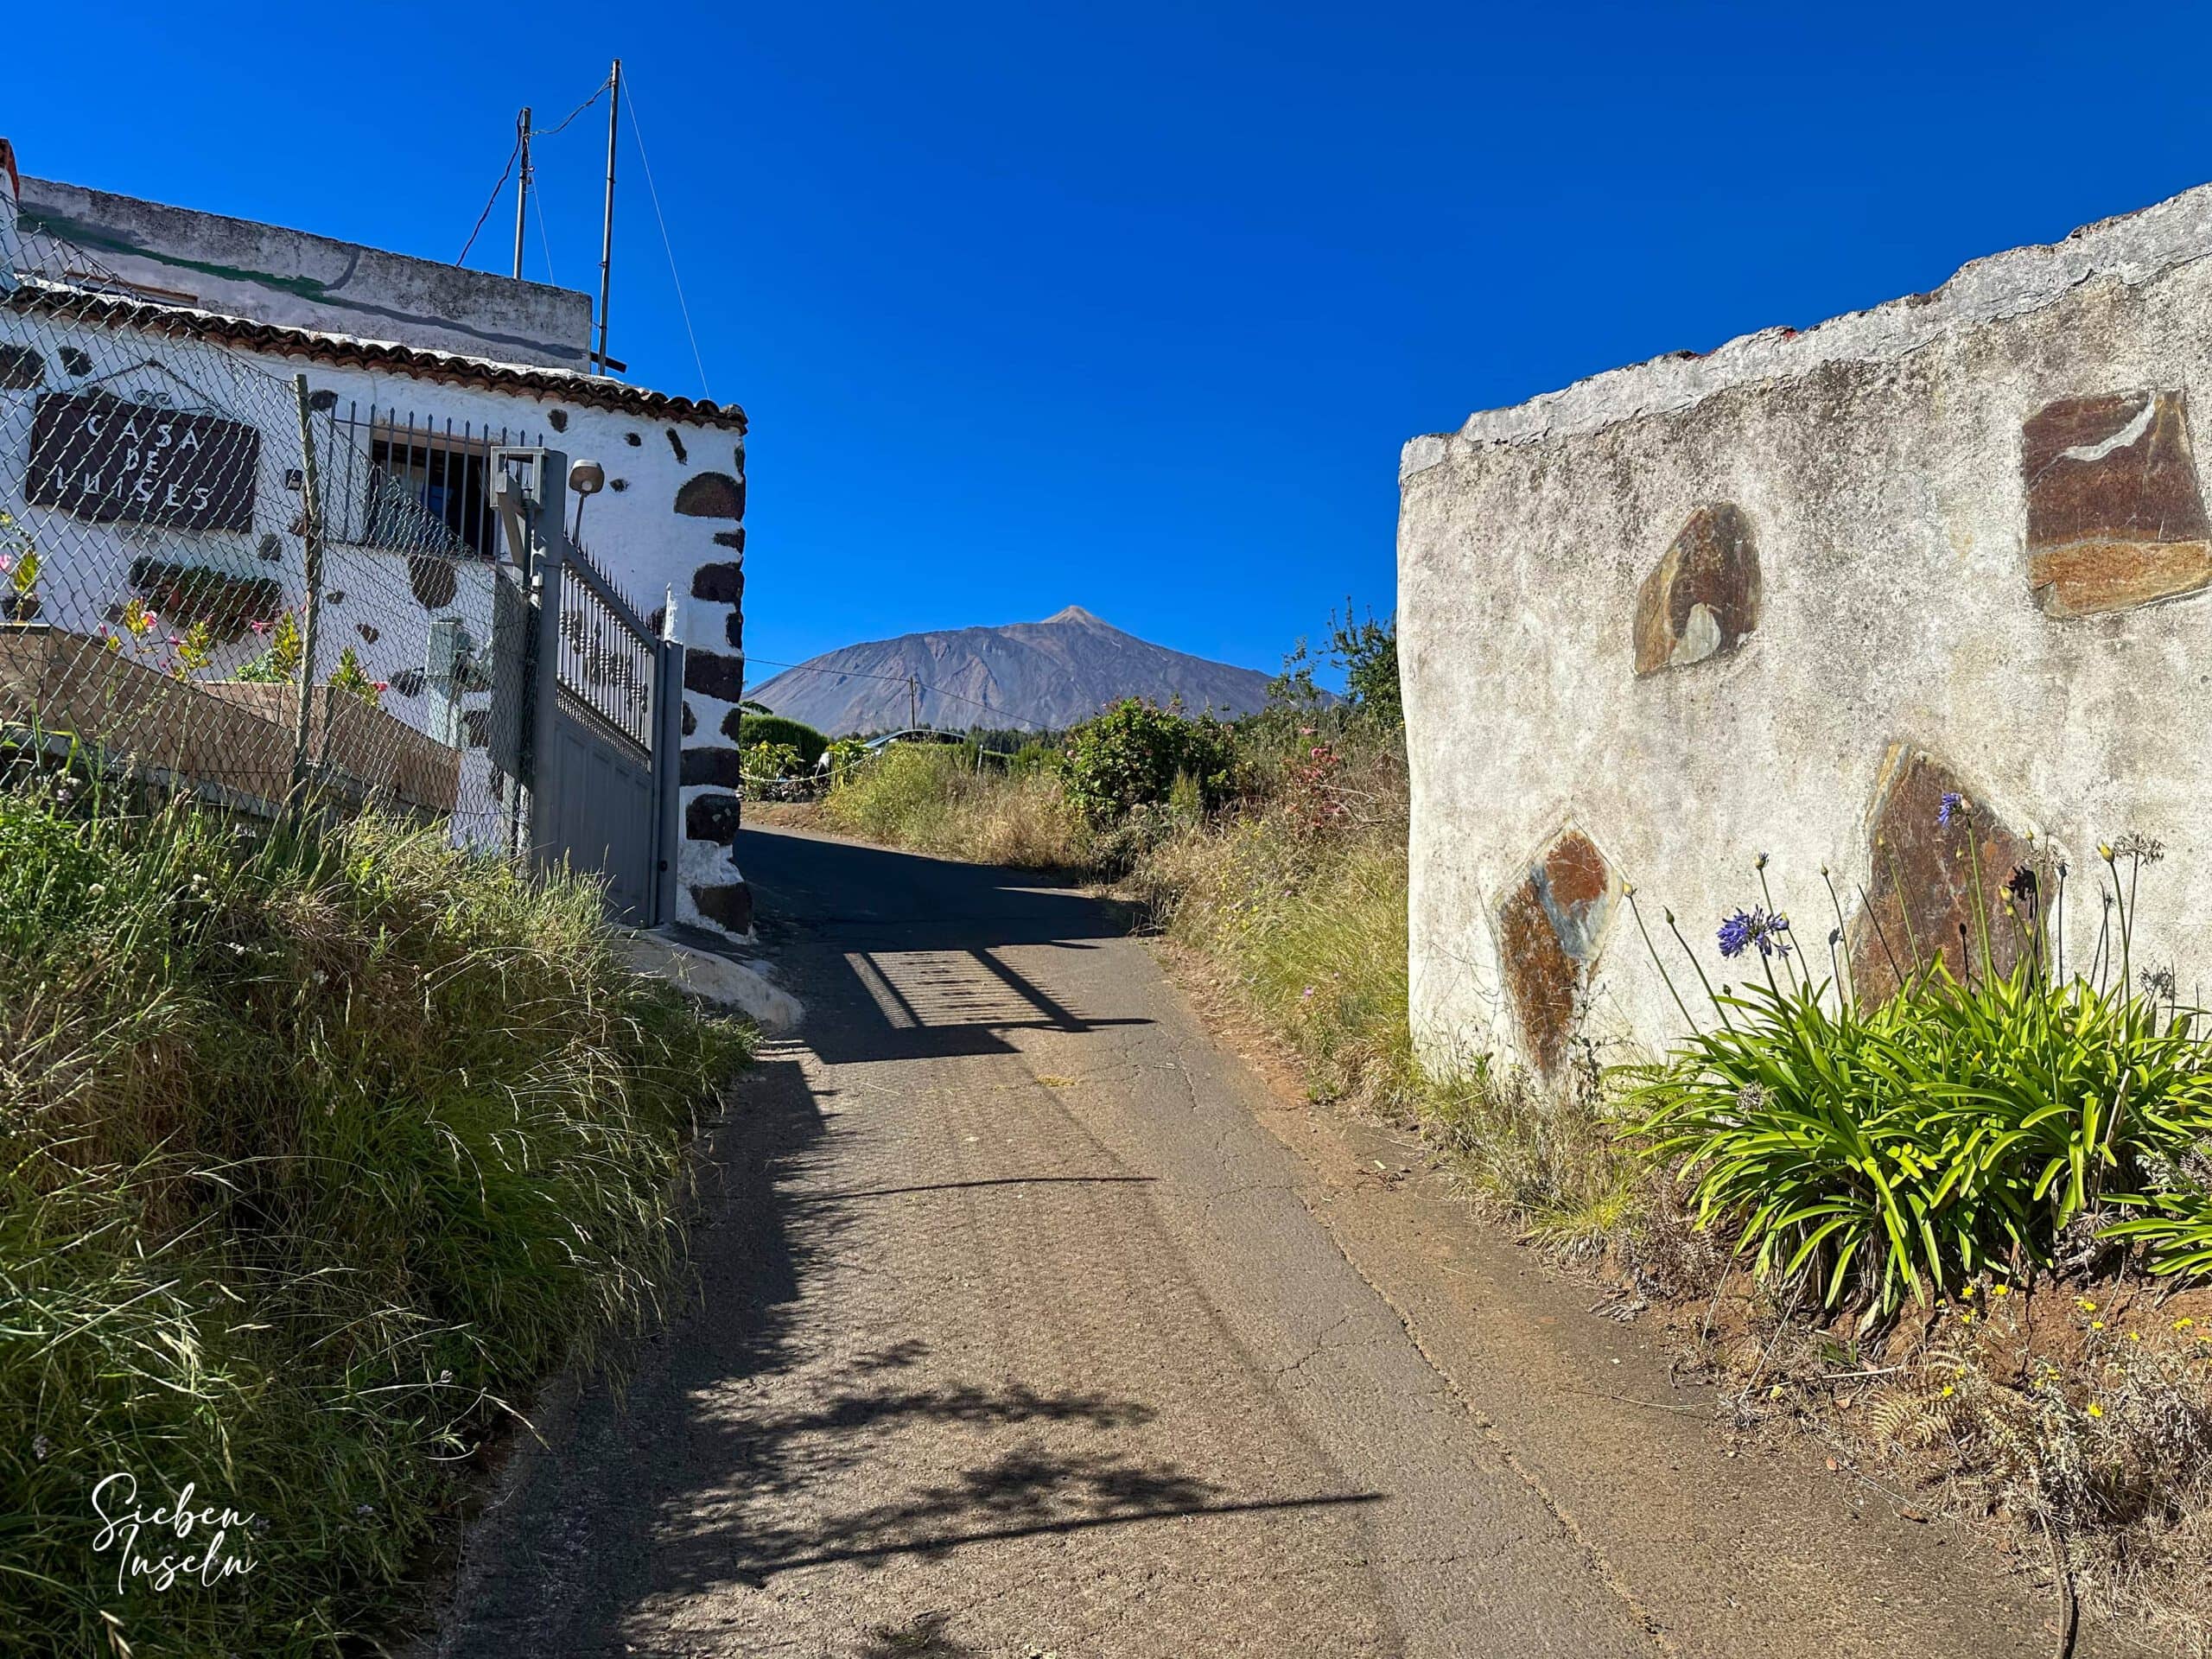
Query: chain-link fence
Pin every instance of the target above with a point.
(225, 585)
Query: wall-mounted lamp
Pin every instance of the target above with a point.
(587, 479)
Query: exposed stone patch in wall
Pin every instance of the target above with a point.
(712, 766)
(1703, 597)
(432, 581)
(721, 584)
(21, 368)
(675, 442)
(712, 674)
(78, 364)
(728, 905)
(1549, 930)
(1924, 876)
(690, 720)
(710, 817)
(2115, 518)
(712, 495)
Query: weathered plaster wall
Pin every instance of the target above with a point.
(275, 274)
(1781, 599)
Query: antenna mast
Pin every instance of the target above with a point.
(606, 231)
(522, 189)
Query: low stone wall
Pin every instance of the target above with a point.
(1786, 597)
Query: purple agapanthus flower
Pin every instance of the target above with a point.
(1754, 926)
(1951, 802)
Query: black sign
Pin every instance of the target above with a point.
(100, 458)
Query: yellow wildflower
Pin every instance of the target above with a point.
(2096, 1325)
(2095, 1410)
(2183, 1324)
(2085, 1305)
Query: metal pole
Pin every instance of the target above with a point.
(913, 706)
(311, 545)
(549, 546)
(521, 189)
(667, 761)
(607, 229)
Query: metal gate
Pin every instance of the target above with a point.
(604, 696)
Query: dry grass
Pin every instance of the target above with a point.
(314, 1148)
(929, 798)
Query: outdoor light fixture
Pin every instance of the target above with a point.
(587, 479)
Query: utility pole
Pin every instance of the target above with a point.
(913, 706)
(522, 190)
(606, 231)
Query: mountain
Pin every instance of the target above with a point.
(1052, 673)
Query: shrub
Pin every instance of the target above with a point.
(1900, 1149)
(767, 762)
(317, 1148)
(754, 730)
(1130, 756)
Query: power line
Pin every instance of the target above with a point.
(507, 172)
(489, 202)
(638, 132)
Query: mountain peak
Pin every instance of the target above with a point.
(1049, 675)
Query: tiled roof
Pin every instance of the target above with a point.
(282, 340)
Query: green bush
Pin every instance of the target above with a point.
(1951, 1128)
(316, 1149)
(1130, 756)
(766, 761)
(754, 730)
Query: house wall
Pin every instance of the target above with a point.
(670, 520)
(1782, 599)
(274, 275)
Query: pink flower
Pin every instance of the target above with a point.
(384, 686)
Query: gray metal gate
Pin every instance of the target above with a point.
(604, 695)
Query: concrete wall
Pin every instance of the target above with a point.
(1785, 597)
(273, 275)
(670, 518)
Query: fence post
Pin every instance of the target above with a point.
(667, 761)
(311, 544)
(549, 548)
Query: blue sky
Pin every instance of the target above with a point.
(1132, 306)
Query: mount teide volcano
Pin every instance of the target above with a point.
(1052, 673)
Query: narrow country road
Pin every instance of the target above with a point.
(1029, 1322)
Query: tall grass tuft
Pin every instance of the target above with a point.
(931, 797)
(317, 1146)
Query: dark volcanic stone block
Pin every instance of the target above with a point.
(729, 906)
(711, 674)
(1549, 930)
(711, 817)
(1703, 597)
(712, 495)
(2115, 518)
(1923, 876)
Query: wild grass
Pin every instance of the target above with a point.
(931, 799)
(317, 1146)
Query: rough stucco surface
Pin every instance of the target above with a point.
(275, 275)
(1878, 463)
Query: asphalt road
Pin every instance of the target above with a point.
(1031, 1322)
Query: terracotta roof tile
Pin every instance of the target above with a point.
(282, 339)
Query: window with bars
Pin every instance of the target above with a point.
(416, 483)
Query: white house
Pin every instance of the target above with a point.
(419, 370)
